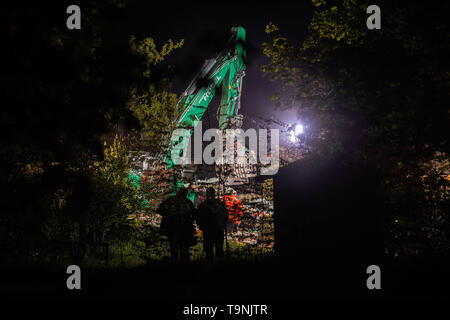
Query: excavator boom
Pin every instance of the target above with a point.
(226, 70)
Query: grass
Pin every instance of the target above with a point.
(130, 255)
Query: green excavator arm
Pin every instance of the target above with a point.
(226, 70)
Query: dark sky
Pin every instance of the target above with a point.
(205, 26)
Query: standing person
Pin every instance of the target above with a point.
(200, 194)
(211, 218)
(177, 224)
(234, 208)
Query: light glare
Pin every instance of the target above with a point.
(292, 137)
(298, 129)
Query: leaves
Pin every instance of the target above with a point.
(152, 56)
(271, 27)
(69, 92)
(379, 97)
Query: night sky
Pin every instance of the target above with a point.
(205, 26)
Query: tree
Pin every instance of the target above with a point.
(154, 106)
(379, 96)
(71, 104)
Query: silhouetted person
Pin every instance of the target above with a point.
(211, 218)
(178, 224)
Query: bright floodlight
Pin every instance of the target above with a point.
(298, 129)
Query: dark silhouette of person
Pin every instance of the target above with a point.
(211, 218)
(177, 224)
